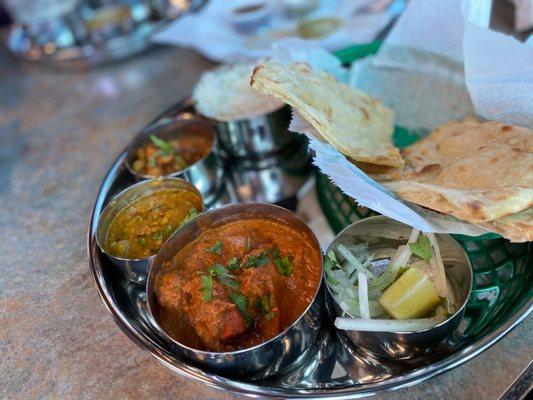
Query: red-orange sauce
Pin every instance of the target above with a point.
(273, 267)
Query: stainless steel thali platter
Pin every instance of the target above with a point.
(336, 369)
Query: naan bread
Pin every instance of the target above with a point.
(354, 123)
(476, 171)
(515, 227)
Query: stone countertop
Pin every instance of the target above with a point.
(59, 133)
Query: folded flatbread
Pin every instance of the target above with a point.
(477, 171)
(515, 227)
(357, 125)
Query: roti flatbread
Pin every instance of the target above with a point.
(515, 227)
(357, 125)
(476, 171)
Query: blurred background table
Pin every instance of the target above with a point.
(59, 133)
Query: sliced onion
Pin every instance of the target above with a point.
(373, 294)
(363, 296)
(351, 306)
(360, 250)
(400, 259)
(413, 237)
(385, 325)
(350, 258)
(440, 274)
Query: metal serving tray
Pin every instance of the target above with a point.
(334, 369)
(85, 52)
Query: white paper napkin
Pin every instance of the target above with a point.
(499, 75)
(441, 63)
(210, 32)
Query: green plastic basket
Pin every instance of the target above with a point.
(503, 271)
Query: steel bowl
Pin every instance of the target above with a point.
(382, 232)
(280, 353)
(271, 179)
(205, 174)
(136, 269)
(256, 137)
(252, 20)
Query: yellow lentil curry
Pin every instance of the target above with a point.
(140, 229)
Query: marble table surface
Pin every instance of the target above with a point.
(59, 133)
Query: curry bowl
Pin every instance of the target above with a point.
(138, 220)
(381, 234)
(237, 290)
(178, 148)
(256, 137)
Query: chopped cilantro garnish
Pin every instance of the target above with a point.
(241, 302)
(165, 147)
(422, 248)
(265, 302)
(233, 264)
(179, 162)
(270, 315)
(221, 273)
(257, 261)
(158, 236)
(192, 213)
(283, 265)
(216, 248)
(142, 241)
(267, 308)
(206, 287)
(274, 253)
(329, 263)
(229, 283)
(219, 270)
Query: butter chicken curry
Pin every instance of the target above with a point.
(237, 285)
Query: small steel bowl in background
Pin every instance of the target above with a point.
(136, 269)
(256, 137)
(383, 232)
(205, 174)
(287, 348)
(248, 21)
